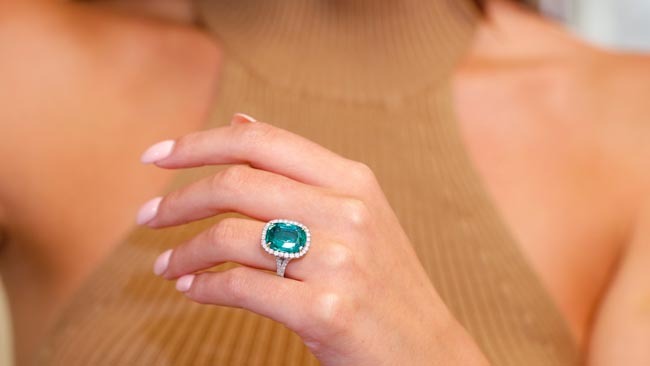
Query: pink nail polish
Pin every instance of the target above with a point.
(242, 118)
(148, 211)
(157, 151)
(184, 283)
(162, 262)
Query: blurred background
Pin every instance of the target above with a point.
(619, 24)
(616, 24)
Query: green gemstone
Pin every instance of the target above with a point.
(285, 238)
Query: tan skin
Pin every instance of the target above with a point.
(564, 159)
(558, 131)
(57, 154)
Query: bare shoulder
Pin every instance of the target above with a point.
(622, 323)
(84, 76)
(626, 127)
(85, 89)
(622, 328)
(558, 130)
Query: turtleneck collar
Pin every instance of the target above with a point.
(344, 49)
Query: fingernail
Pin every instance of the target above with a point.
(242, 118)
(148, 211)
(157, 152)
(184, 283)
(162, 262)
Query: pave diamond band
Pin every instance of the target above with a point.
(286, 240)
(281, 265)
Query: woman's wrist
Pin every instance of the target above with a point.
(447, 343)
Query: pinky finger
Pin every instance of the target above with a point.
(282, 299)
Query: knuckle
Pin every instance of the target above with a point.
(340, 257)
(362, 173)
(334, 312)
(231, 177)
(356, 212)
(223, 231)
(257, 135)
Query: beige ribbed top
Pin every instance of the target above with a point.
(368, 79)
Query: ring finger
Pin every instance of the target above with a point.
(233, 240)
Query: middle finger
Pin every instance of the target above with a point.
(253, 192)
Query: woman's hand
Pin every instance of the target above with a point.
(358, 297)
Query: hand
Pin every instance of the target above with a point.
(358, 297)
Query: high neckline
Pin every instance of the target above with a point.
(354, 50)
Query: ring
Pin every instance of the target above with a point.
(286, 240)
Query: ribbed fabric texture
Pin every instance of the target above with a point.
(368, 79)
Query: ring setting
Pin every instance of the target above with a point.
(286, 240)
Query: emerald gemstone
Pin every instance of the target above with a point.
(285, 237)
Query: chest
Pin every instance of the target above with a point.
(549, 182)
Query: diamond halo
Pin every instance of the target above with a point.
(282, 257)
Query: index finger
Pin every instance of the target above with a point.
(262, 146)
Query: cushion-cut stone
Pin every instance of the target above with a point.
(286, 238)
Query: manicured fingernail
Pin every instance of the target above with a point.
(242, 118)
(148, 211)
(157, 151)
(162, 262)
(184, 283)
